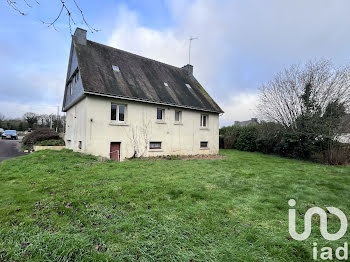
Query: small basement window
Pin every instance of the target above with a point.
(188, 86)
(155, 145)
(160, 114)
(204, 144)
(115, 68)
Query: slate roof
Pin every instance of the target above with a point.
(139, 78)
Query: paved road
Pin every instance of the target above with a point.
(9, 149)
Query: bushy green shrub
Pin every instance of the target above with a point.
(51, 142)
(39, 135)
(246, 140)
(272, 138)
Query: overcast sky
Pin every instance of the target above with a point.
(241, 44)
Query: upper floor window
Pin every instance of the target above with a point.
(160, 114)
(70, 86)
(118, 112)
(76, 77)
(204, 120)
(177, 116)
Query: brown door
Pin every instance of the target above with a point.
(115, 151)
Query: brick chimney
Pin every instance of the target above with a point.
(189, 69)
(80, 36)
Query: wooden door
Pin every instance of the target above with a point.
(114, 152)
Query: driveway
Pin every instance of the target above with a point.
(9, 149)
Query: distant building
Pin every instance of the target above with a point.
(246, 123)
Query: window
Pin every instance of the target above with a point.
(115, 68)
(188, 85)
(70, 85)
(113, 112)
(118, 111)
(121, 115)
(77, 76)
(204, 120)
(80, 144)
(155, 145)
(177, 116)
(160, 114)
(166, 84)
(204, 144)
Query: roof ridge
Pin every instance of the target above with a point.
(140, 56)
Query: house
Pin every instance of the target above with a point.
(246, 123)
(121, 105)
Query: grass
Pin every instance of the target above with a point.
(50, 142)
(65, 206)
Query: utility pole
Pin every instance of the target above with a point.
(57, 118)
(189, 49)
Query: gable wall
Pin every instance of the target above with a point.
(76, 126)
(78, 90)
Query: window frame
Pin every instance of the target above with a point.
(163, 114)
(206, 121)
(155, 142)
(70, 86)
(117, 113)
(203, 147)
(180, 116)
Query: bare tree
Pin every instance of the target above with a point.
(19, 6)
(139, 138)
(31, 119)
(282, 99)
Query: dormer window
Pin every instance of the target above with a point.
(116, 68)
(188, 86)
(166, 84)
(70, 86)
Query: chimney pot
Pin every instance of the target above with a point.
(188, 68)
(80, 36)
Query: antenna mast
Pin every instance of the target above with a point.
(189, 49)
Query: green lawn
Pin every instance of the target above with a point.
(60, 206)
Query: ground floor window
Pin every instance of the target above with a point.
(80, 145)
(155, 145)
(204, 144)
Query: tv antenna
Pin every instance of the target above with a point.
(189, 49)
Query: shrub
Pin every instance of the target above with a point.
(51, 142)
(39, 135)
(246, 140)
(336, 154)
(269, 137)
(229, 136)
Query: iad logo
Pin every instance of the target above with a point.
(327, 253)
